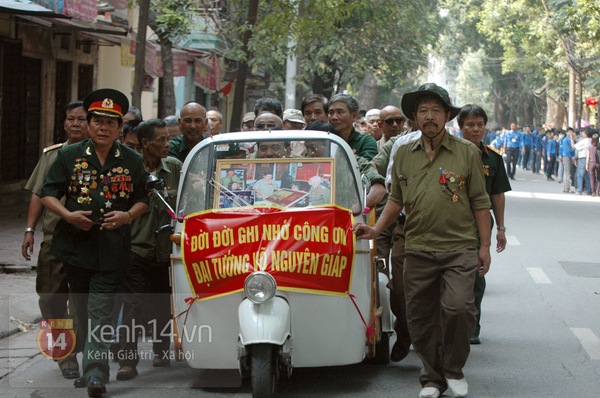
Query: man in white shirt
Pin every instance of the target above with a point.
(582, 147)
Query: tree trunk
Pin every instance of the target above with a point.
(243, 70)
(166, 91)
(556, 111)
(367, 96)
(140, 53)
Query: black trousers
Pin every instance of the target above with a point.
(93, 294)
(511, 161)
(550, 166)
(525, 158)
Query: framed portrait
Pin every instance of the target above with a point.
(290, 182)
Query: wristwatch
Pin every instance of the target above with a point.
(29, 229)
(501, 228)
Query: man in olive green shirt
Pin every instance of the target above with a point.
(229, 178)
(343, 112)
(51, 280)
(438, 179)
(146, 287)
(193, 124)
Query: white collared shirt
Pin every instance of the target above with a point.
(403, 140)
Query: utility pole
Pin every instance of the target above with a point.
(290, 71)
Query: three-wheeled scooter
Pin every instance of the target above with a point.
(267, 275)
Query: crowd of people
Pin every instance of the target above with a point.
(570, 157)
(99, 224)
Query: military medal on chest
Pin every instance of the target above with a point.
(117, 183)
(450, 177)
(83, 181)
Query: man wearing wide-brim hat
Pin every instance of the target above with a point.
(103, 183)
(438, 180)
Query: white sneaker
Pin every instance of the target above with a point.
(459, 388)
(429, 392)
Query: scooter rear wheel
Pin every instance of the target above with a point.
(263, 370)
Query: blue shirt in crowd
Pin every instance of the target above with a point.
(551, 148)
(537, 141)
(512, 139)
(566, 149)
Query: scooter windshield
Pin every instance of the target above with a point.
(279, 168)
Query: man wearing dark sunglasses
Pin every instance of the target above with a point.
(268, 121)
(391, 123)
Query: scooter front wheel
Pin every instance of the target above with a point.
(263, 370)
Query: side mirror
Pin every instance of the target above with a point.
(156, 186)
(154, 183)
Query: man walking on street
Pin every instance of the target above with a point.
(526, 152)
(103, 183)
(439, 181)
(472, 120)
(583, 177)
(51, 279)
(512, 143)
(147, 281)
(567, 154)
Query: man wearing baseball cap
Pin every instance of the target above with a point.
(103, 183)
(293, 120)
(438, 180)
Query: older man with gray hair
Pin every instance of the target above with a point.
(373, 128)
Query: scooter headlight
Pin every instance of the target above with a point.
(260, 287)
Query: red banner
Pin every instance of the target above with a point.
(305, 249)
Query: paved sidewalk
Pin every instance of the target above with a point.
(18, 299)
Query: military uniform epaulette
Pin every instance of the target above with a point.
(494, 149)
(52, 147)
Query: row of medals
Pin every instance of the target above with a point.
(87, 181)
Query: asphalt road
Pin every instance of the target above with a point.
(540, 324)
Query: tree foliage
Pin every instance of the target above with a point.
(337, 41)
(538, 40)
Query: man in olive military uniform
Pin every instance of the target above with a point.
(472, 120)
(192, 123)
(343, 112)
(51, 281)
(319, 194)
(146, 286)
(438, 180)
(229, 178)
(103, 182)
